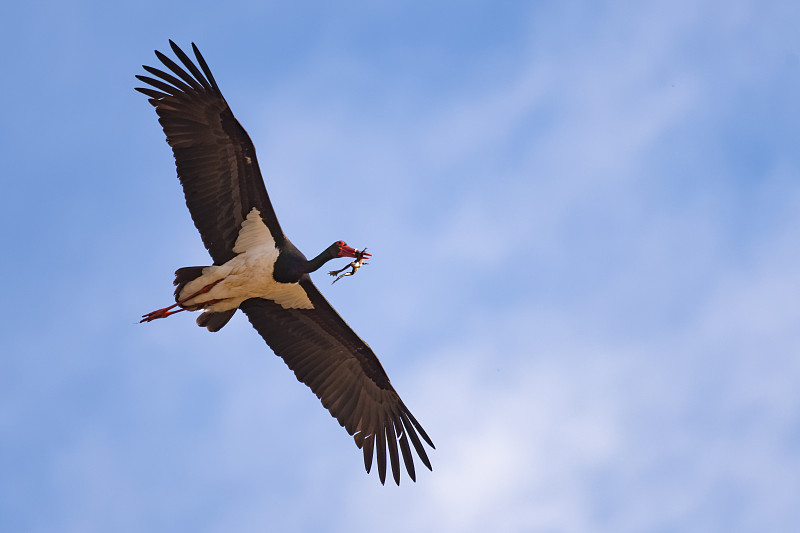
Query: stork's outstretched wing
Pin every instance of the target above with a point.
(214, 156)
(346, 376)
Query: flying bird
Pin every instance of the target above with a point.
(257, 269)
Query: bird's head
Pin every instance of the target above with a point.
(347, 251)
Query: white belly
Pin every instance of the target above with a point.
(247, 275)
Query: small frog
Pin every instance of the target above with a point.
(355, 265)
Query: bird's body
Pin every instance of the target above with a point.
(250, 273)
(258, 270)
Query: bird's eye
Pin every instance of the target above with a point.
(340, 243)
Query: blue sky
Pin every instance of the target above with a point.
(585, 221)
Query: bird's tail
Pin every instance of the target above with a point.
(185, 275)
(214, 320)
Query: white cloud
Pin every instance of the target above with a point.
(594, 340)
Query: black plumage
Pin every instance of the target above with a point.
(222, 184)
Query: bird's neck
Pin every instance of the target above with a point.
(321, 259)
(292, 264)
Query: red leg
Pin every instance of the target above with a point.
(165, 311)
(160, 313)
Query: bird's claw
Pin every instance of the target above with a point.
(354, 266)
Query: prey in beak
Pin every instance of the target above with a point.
(346, 251)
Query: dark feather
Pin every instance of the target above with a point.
(214, 156)
(346, 376)
(184, 275)
(368, 446)
(172, 80)
(380, 453)
(391, 441)
(406, 452)
(215, 321)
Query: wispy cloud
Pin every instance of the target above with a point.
(584, 290)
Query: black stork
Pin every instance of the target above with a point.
(258, 270)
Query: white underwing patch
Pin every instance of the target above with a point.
(248, 274)
(254, 234)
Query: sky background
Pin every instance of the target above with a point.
(585, 221)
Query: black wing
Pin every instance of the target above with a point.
(215, 157)
(345, 374)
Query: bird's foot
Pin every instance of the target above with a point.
(160, 313)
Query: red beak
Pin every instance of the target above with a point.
(347, 251)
